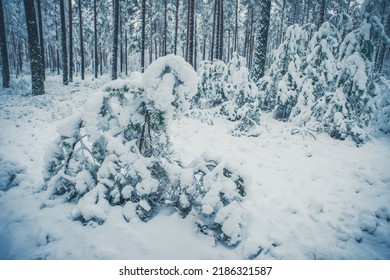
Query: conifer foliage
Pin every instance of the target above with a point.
(119, 153)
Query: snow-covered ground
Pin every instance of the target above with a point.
(307, 198)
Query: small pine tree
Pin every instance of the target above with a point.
(280, 86)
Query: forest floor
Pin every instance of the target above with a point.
(307, 198)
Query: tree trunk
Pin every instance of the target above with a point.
(176, 25)
(165, 28)
(280, 37)
(63, 42)
(114, 73)
(260, 54)
(81, 43)
(38, 86)
(57, 50)
(41, 42)
(321, 18)
(235, 47)
(126, 51)
(96, 39)
(70, 42)
(20, 52)
(121, 42)
(4, 51)
(213, 33)
(382, 48)
(218, 28)
(221, 31)
(190, 33)
(143, 36)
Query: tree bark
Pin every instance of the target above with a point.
(37, 81)
(143, 36)
(114, 73)
(176, 24)
(165, 27)
(82, 70)
(4, 50)
(213, 33)
(96, 39)
(235, 47)
(260, 54)
(63, 43)
(41, 42)
(70, 41)
(321, 18)
(190, 32)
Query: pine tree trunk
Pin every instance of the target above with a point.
(121, 42)
(41, 42)
(63, 43)
(20, 52)
(321, 18)
(38, 87)
(213, 33)
(114, 73)
(143, 36)
(176, 25)
(382, 48)
(96, 39)
(70, 42)
(81, 43)
(218, 29)
(280, 35)
(4, 50)
(57, 50)
(101, 62)
(14, 49)
(259, 59)
(235, 46)
(190, 33)
(126, 51)
(250, 39)
(165, 27)
(221, 31)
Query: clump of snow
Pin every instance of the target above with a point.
(170, 82)
(11, 173)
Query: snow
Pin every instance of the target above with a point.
(306, 198)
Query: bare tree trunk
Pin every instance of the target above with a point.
(176, 25)
(114, 73)
(82, 70)
(126, 51)
(259, 60)
(41, 42)
(121, 42)
(221, 31)
(96, 39)
(235, 47)
(63, 42)
(70, 42)
(190, 32)
(280, 35)
(322, 14)
(4, 50)
(57, 50)
(165, 28)
(213, 34)
(143, 36)
(38, 86)
(218, 29)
